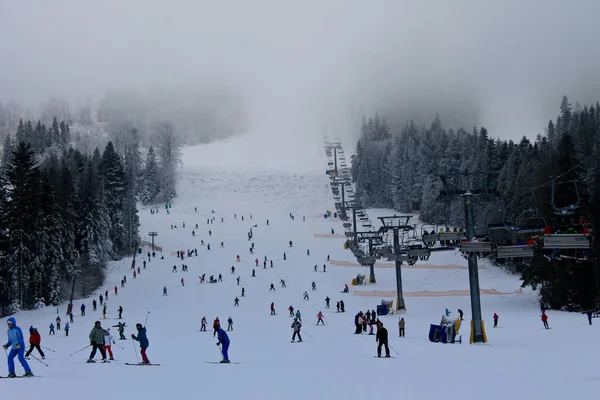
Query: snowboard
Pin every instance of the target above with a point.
(144, 365)
(216, 362)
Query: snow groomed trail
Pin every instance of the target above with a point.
(522, 360)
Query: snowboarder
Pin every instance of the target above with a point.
(224, 341)
(401, 325)
(229, 324)
(320, 318)
(97, 342)
(83, 310)
(545, 320)
(108, 341)
(296, 326)
(34, 343)
(495, 320)
(272, 288)
(236, 302)
(382, 338)
(273, 308)
(144, 343)
(120, 310)
(16, 341)
(305, 295)
(327, 299)
(203, 324)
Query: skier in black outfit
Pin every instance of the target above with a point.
(327, 299)
(382, 338)
(296, 326)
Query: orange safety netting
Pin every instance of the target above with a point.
(329, 235)
(430, 293)
(392, 265)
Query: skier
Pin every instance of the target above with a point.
(284, 256)
(272, 288)
(232, 269)
(320, 318)
(291, 310)
(401, 325)
(545, 319)
(144, 343)
(182, 282)
(308, 252)
(34, 343)
(305, 295)
(256, 261)
(271, 262)
(460, 313)
(382, 338)
(97, 342)
(282, 282)
(298, 315)
(174, 269)
(357, 323)
(216, 326)
(238, 281)
(224, 341)
(51, 329)
(106, 293)
(71, 317)
(101, 299)
(67, 327)
(104, 311)
(203, 324)
(236, 302)
(116, 290)
(327, 299)
(337, 305)
(327, 257)
(273, 308)
(243, 292)
(589, 317)
(291, 244)
(495, 320)
(164, 291)
(108, 341)
(58, 323)
(122, 283)
(342, 306)
(316, 266)
(121, 328)
(296, 326)
(144, 263)
(253, 273)
(120, 310)
(134, 277)
(265, 264)
(324, 268)
(16, 341)
(229, 324)
(220, 278)
(314, 286)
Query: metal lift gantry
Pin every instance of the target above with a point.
(335, 146)
(368, 260)
(397, 224)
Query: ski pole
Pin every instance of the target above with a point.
(392, 348)
(48, 349)
(306, 333)
(135, 351)
(219, 350)
(81, 350)
(146, 321)
(39, 360)
(119, 346)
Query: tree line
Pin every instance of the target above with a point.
(414, 167)
(64, 213)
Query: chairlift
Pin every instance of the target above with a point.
(524, 251)
(566, 241)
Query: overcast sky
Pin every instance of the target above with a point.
(504, 64)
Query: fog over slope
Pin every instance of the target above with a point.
(504, 65)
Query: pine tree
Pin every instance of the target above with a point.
(151, 183)
(115, 190)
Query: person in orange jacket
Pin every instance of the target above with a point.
(34, 343)
(545, 320)
(320, 318)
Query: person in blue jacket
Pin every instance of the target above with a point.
(15, 339)
(144, 343)
(223, 340)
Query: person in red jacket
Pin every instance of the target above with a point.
(545, 320)
(216, 326)
(34, 343)
(320, 318)
(495, 320)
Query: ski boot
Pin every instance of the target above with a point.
(11, 375)
(104, 360)
(91, 361)
(224, 362)
(28, 374)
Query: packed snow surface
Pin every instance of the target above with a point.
(520, 361)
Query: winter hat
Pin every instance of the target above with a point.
(138, 325)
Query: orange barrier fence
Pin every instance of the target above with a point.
(404, 265)
(430, 293)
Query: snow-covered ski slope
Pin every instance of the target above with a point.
(521, 360)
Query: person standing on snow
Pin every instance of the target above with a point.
(203, 324)
(34, 343)
(97, 342)
(120, 310)
(108, 341)
(305, 295)
(236, 302)
(291, 310)
(327, 300)
(298, 315)
(224, 342)
(273, 308)
(216, 326)
(296, 326)
(401, 325)
(545, 319)
(382, 338)
(495, 320)
(320, 318)
(229, 324)
(121, 329)
(144, 343)
(83, 310)
(16, 341)
(51, 329)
